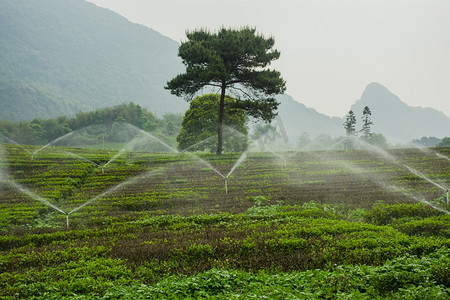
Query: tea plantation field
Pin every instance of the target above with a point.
(81, 223)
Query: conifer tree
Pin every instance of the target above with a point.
(367, 134)
(349, 126)
(233, 61)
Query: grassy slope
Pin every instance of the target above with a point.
(354, 217)
(60, 57)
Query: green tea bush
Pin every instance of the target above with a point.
(432, 226)
(199, 251)
(383, 214)
(406, 277)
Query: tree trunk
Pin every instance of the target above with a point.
(220, 121)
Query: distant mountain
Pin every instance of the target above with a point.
(60, 57)
(396, 120)
(297, 118)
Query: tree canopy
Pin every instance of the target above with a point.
(199, 126)
(349, 126)
(94, 126)
(234, 62)
(367, 121)
(444, 143)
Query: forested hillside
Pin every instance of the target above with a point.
(62, 57)
(93, 128)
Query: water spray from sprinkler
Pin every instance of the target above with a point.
(51, 143)
(417, 173)
(447, 196)
(441, 156)
(14, 142)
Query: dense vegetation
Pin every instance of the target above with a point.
(327, 224)
(199, 126)
(445, 142)
(94, 127)
(236, 62)
(60, 57)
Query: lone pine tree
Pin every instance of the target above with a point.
(235, 61)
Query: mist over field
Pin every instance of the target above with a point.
(113, 186)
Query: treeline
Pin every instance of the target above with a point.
(431, 142)
(101, 122)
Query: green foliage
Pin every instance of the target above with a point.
(383, 214)
(444, 143)
(350, 123)
(349, 126)
(227, 59)
(427, 141)
(378, 140)
(74, 56)
(107, 125)
(307, 229)
(431, 226)
(402, 278)
(367, 134)
(25, 101)
(235, 61)
(199, 126)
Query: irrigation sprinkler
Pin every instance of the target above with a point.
(284, 159)
(226, 186)
(447, 196)
(67, 221)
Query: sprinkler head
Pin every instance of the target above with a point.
(67, 220)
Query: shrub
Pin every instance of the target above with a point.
(383, 214)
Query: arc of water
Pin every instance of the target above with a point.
(14, 142)
(417, 173)
(240, 159)
(113, 189)
(271, 151)
(311, 145)
(227, 131)
(81, 157)
(237, 163)
(176, 151)
(335, 144)
(280, 156)
(153, 137)
(53, 142)
(206, 163)
(124, 149)
(376, 149)
(424, 150)
(441, 156)
(114, 157)
(198, 144)
(35, 196)
(395, 188)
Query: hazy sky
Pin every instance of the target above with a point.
(330, 49)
